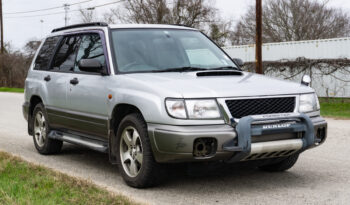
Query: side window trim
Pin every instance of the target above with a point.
(105, 50)
(61, 40)
(52, 55)
(58, 45)
(76, 54)
(82, 33)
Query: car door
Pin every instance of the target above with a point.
(54, 86)
(87, 95)
(61, 68)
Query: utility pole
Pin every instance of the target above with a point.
(2, 29)
(41, 27)
(66, 8)
(258, 38)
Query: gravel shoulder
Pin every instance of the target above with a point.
(321, 176)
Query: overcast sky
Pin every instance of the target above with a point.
(19, 28)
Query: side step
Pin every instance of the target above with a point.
(79, 140)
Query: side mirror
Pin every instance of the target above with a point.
(306, 80)
(239, 62)
(90, 65)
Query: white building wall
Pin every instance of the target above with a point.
(315, 49)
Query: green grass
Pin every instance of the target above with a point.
(24, 183)
(335, 107)
(14, 90)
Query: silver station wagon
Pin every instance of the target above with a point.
(150, 95)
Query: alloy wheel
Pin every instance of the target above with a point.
(40, 129)
(131, 152)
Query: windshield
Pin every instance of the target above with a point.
(160, 50)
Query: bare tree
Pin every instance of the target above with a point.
(220, 32)
(110, 17)
(31, 47)
(87, 15)
(192, 13)
(14, 71)
(293, 20)
(146, 11)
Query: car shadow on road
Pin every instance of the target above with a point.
(192, 178)
(91, 158)
(242, 177)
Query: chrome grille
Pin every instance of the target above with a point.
(243, 107)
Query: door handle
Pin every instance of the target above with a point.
(74, 81)
(47, 78)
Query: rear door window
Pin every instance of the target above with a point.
(65, 57)
(42, 61)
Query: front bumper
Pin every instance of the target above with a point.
(176, 143)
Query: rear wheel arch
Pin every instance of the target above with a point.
(34, 100)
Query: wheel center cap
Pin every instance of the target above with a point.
(133, 152)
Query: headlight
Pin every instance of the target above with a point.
(308, 103)
(202, 109)
(176, 108)
(196, 109)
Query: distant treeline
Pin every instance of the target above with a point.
(14, 64)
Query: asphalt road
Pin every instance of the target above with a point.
(321, 176)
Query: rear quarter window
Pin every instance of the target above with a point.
(42, 61)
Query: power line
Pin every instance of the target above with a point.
(55, 13)
(46, 9)
(49, 14)
(106, 4)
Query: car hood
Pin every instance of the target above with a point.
(189, 85)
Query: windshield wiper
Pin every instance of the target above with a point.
(179, 69)
(225, 68)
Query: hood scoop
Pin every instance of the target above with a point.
(219, 73)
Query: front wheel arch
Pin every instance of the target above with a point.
(119, 112)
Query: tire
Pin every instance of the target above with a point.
(282, 165)
(41, 129)
(135, 157)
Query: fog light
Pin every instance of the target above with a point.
(204, 147)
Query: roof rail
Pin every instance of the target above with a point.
(79, 25)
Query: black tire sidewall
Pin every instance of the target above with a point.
(50, 146)
(143, 179)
